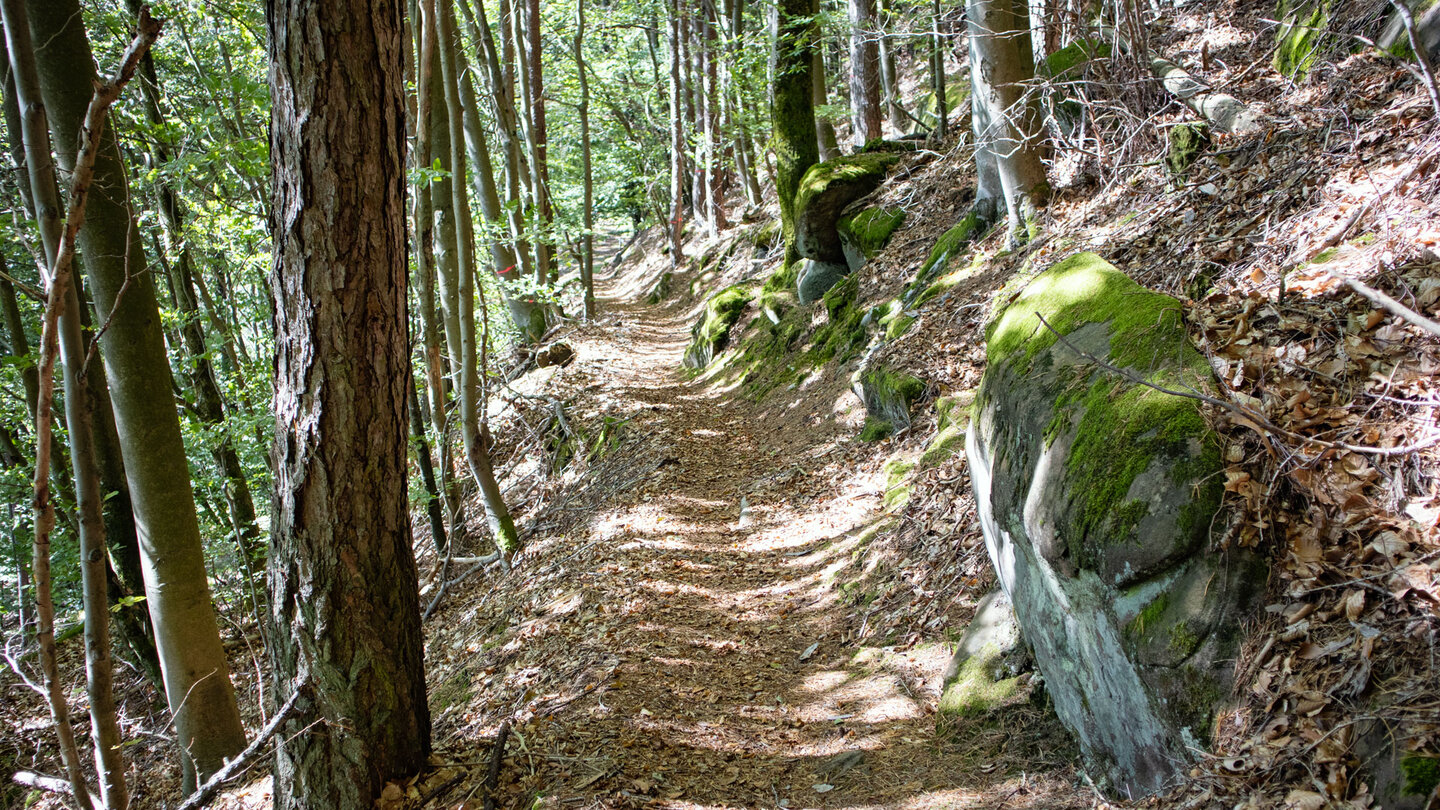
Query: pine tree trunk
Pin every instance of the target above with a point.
(864, 73)
(197, 679)
(345, 616)
(792, 114)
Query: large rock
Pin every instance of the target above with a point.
(711, 334)
(984, 673)
(864, 231)
(815, 278)
(1097, 497)
(825, 190)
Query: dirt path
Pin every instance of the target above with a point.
(663, 647)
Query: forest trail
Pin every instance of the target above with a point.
(659, 646)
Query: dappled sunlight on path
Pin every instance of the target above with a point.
(684, 638)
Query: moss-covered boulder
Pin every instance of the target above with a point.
(1065, 63)
(1187, 142)
(825, 190)
(815, 278)
(711, 334)
(1098, 497)
(888, 396)
(985, 673)
(1301, 38)
(865, 230)
(948, 246)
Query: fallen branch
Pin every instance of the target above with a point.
(1384, 301)
(1250, 417)
(207, 791)
(40, 781)
(497, 754)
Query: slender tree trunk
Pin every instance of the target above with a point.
(539, 149)
(587, 239)
(825, 136)
(433, 508)
(889, 75)
(1001, 68)
(502, 93)
(937, 74)
(677, 141)
(124, 579)
(459, 305)
(716, 173)
(345, 615)
(864, 73)
(791, 111)
(197, 679)
(204, 383)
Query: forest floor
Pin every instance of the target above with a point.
(686, 641)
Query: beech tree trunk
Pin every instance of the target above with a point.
(79, 402)
(825, 137)
(792, 113)
(197, 678)
(204, 383)
(458, 302)
(345, 615)
(864, 73)
(1006, 117)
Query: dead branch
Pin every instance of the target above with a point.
(1422, 57)
(1384, 301)
(497, 754)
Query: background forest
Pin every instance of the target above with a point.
(598, 319)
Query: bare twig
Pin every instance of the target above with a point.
(207, 791)
(40, 781)
(1248, 416)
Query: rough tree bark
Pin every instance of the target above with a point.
(197, 677)
(587, 239)
(345, 610)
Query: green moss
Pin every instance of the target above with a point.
(712, 333)
(1301, 36)
(1061, 63)
(1147, 619)
(975, 691)
(967, 230)
(1422, 774)
(1183, 641)
(1119, 435)
(897, 490)
(870, 228)
(764, 234)
(661, 290)
(875, 430)
(850, 168)
(1087, 289)
(1187, 142)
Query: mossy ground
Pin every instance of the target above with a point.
(975, 691)
(1422, 774)
(947, 247)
